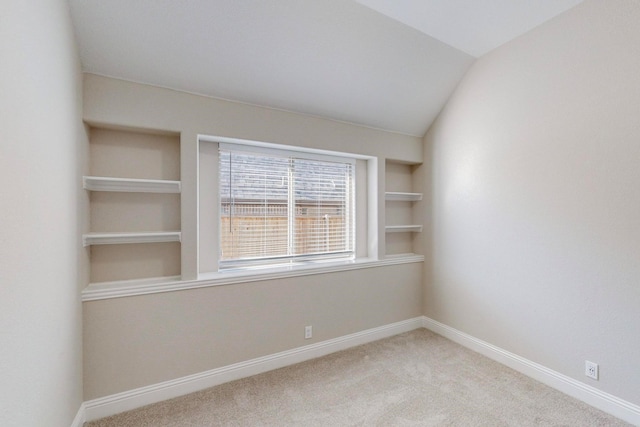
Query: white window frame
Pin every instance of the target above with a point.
(366, 222)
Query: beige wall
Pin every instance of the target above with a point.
(137, 341)
(535, 161)
(42, 141)
(116, 102)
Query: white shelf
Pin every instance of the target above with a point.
(130, 185)
(403, 228)
(123, 238)
(125, 288)
(405, 256)
(402, 197)
(113, 289)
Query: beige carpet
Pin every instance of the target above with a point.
(413, 379)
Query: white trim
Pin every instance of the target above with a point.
(606, 402)
(125, 401)
(130, 185)
(375, 178)
(109, 405)
(133, 237)
(125, 288)
(80, 417)
(402, 197)
(128, 284)
(403, 228)
(280, 147)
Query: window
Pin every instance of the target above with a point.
(280, 206)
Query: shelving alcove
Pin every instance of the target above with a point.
(134, 192)
(399, 225)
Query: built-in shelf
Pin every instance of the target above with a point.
(123, 238)
(102, 290)
(130, 185)
(402, 197)
(124, 288)
(403, 228)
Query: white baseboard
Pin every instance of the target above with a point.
(617, 407)
(79, 419)
(125, 401)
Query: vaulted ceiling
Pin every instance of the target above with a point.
(387, 64)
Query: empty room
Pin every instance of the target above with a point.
(320, 213)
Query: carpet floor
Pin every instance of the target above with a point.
(413, 379)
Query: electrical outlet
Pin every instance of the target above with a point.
(591, 369)
(308, 332)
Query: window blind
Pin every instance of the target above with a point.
(282, 207)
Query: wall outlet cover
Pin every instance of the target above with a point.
(591, 369)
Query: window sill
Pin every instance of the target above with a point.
(126, 288)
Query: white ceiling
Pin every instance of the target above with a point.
(387, 64)
(473, 26)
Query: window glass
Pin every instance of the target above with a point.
(283, 207)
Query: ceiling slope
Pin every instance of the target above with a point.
(473, 26)
(386, 64)
(332, 58)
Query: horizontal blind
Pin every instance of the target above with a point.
(279, 208)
